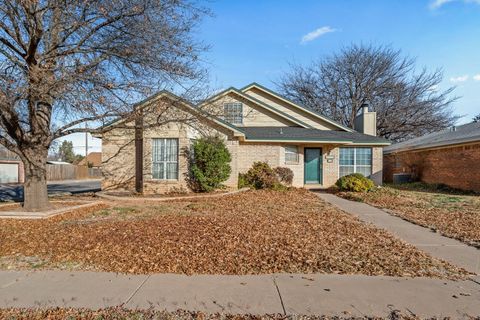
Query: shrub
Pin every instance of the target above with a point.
(261, 176)
(242, 181)
(284, 175)
(210, 164)
(355, 182)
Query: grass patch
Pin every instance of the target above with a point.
(430, 187)
(456, 215)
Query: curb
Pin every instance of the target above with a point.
(102, 194)
(45, 214)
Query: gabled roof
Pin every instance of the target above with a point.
(164, 93)
(296, 134)
(257, 102)
(466, 133)
(296, 105)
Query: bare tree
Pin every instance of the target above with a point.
(476, 118)
(68, 66)
(408, 104)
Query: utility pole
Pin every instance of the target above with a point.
(86, 145)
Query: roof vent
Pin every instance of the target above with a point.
(281, 131)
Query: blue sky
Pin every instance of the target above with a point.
(255, 40)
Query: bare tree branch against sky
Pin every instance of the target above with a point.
(408, 103)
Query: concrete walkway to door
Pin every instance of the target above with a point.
(441, 247)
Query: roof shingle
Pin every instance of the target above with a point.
(308, 134)
(466, 133)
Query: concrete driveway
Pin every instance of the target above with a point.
(14, 192)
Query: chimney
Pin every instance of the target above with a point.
(366, 121)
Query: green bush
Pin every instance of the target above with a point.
(210, 164)
(242, 181)
(284, 175)
(261, 176)
(355, 182)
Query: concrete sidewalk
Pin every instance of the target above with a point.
(255, 294)
(441, 247)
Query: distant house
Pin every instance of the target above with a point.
(450, 157)
(11, 167)
(256, 124)
(93, 160)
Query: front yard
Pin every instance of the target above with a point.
(248, 233)
(453, 214)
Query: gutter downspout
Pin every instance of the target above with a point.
(139, 152)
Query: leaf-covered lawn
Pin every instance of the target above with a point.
(452, 214)
(247, 233)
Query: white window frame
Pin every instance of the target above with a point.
(295, 153)
(355, 160)
(165, 162)
(233, 116)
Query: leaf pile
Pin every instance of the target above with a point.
(248, 233)
(122, 313)
(454, 215)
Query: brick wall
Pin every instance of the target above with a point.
(118, 159)
(274, 155)
(377, 165)
(455, 166)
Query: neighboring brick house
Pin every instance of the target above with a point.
(92, 160)
(450, 157)
(257, 124)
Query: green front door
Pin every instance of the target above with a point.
(313, 166)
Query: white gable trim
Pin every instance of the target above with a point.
(314, 114)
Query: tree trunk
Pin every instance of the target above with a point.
(35, 194)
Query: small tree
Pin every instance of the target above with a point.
(65, 152)
(210, 164)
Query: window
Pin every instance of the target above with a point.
(233, 112)
(165, 159)
(291, 154)
(355, 160)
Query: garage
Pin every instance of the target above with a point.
(9, 173)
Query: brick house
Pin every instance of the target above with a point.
(256, 123)
(92, 160)
(450, 157)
